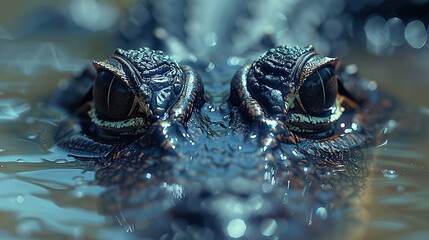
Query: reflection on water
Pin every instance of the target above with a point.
(47, 194)
(398, 208)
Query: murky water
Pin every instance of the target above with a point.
(46, 194)
(398, 209)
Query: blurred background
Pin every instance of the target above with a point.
(43, 43)
(64, 36)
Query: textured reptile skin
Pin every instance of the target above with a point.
(209, 161)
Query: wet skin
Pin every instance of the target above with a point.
(291, 144)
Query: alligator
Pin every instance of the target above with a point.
(275, 143)
(286, 153)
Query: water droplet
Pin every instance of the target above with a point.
(148, 175)
(93, 15)
(192, 58)
(236, 228)
(322, 213)
(60, 160)
(255, 202)
(20, 199)
(20, 160)
(396, 31)
(310, 218)
(376, 31)
(160, 32)
(264, 148)
(351, 69)
(297, 154)
(32, 136)
(78, 193)
(415, 34)
(210, 39)
(283, 157)
(267, 175)
(233, 61)
(391, 123)
(389, 173)
(268, 227)
(286, 198)
(176, 190)
(273, 181)
(211, 108)
(210, 67)
(390, 126)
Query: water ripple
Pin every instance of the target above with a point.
(11, 109)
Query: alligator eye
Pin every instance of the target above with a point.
(318, 92)
(113, 99)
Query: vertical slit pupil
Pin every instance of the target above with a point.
(319, 91)
(113, 99)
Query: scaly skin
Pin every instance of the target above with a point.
(189, 174)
